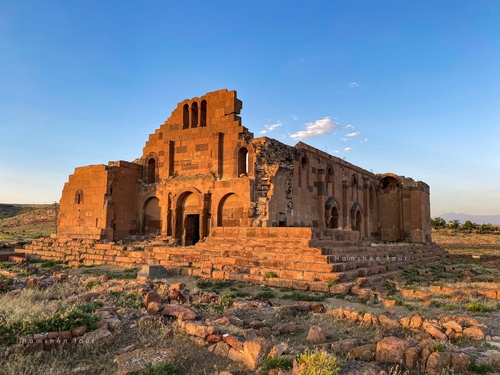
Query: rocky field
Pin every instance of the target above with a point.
(101, 320)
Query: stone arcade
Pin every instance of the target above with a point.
(250, 206)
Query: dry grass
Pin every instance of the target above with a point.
(30, 303)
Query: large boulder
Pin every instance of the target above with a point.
(391, 350)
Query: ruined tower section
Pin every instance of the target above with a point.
(83, 212)
(198, 169)
(404, 206)
(98, 201)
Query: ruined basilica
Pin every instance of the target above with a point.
(201, 169)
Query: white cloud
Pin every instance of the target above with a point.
(295, 118)
(348, 149)
(349, 126)
(353, 134)
(316, 128)
(336, 151)
(270, 128)
(344, 139)
(354, 84)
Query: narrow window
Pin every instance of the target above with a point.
(194, 115)
(203, 115)
(242, 161)
(151, 171)
(79, 196)
(185, 117)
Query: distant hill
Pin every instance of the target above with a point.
(478, 219)
(27, 220)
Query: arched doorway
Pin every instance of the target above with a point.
(334, 219)
(151, 223)
(230, 212)
(188, 219)
(358, 221)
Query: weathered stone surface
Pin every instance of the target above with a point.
(181, 312)
(416, 321)
(285, 327)
(343, 346)
(316, 334)
(391, 350)
(437, 362)
(255, 351)
(151, 297)
(474, 333)
(460, 361)
(79, 331)
(388, 322)
(233, 341)
(453, 325)
(137, 359)
(153, 271)
(412, 356)
(363, 353)
(434, 331)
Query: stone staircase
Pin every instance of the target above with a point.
(299, 258)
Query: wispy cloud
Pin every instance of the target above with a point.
(336, 151)
(354, 84)
(295, 118)
(270, 128)
(348, 149)
(344, 139)
(349, 126)
(353, 134)
(316, 128)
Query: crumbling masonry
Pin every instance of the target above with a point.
(242, 207)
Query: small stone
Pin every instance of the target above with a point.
(437, 362)
(316, 334)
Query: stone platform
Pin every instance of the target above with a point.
(299, 258)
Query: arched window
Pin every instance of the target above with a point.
(185, 116)
(203, 114)
(194, 115)
(79, 196)
(151, 177)
(242, 161)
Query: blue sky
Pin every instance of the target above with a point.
(409, 87)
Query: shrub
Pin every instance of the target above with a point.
(480, 369)
(437, 347)
(297, 296)
(131, 300)
(319, 363)
(332, 282)
(477, 307)
(275, 362)
(270, 275)
(266, 294)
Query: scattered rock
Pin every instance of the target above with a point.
(391, 350)
(316, 334)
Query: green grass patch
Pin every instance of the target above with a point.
(275, 362)
(270, 275)
(266, 294)
(478, 307)
(63, 320)
(298, 296)
(130, 300)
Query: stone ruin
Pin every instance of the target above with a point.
(219, 202)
